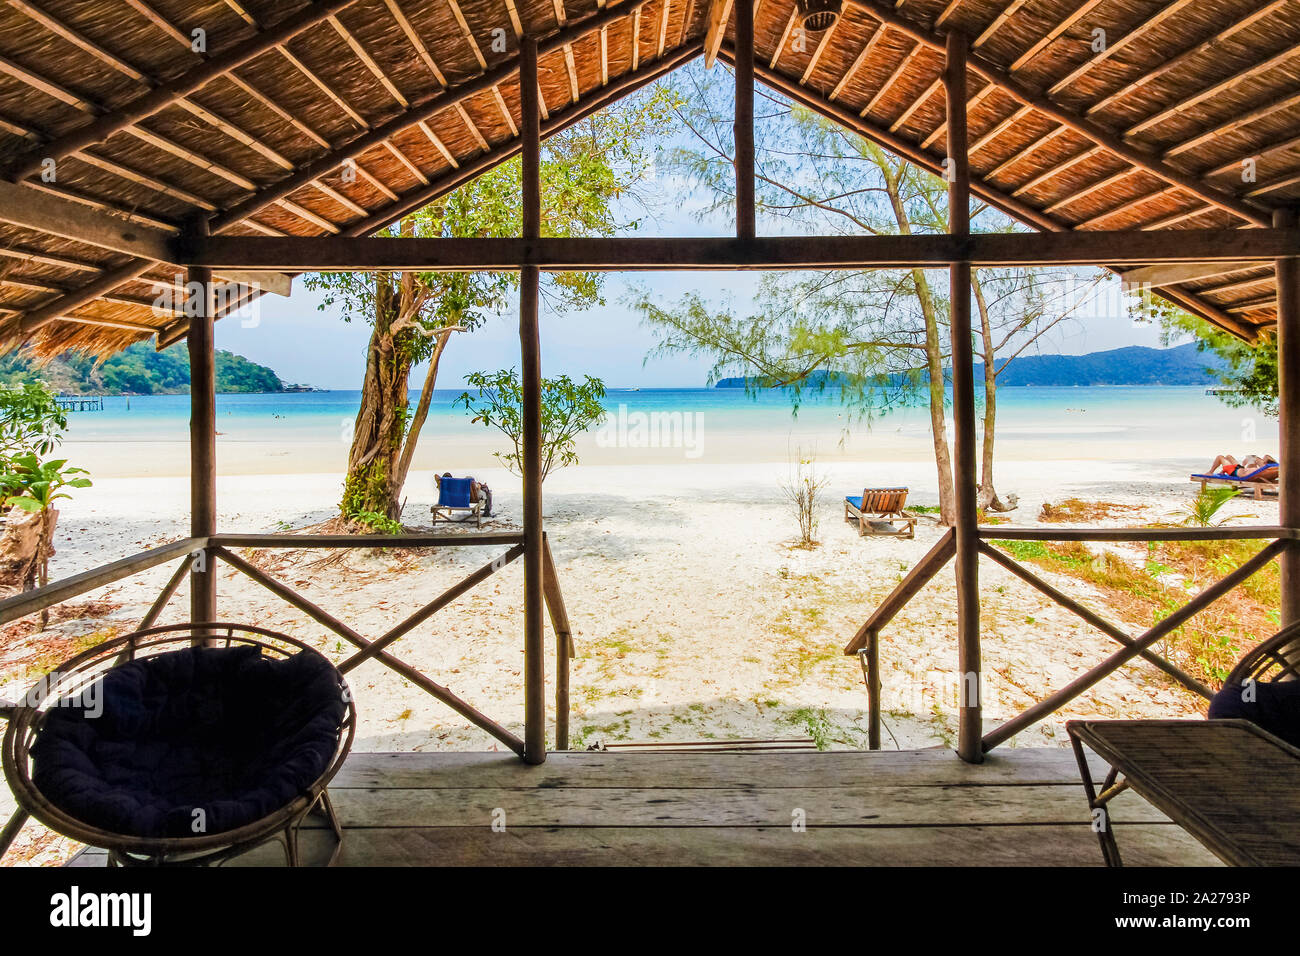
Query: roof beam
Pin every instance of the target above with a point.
(1178, 273)
(1158, 70)
(618, 88)
(452, 97)
(719, 14)
(1136, 33)
(163, 96)
(613, 254)
(33, 209)
(1066, 117)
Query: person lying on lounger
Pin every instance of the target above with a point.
(1250, 466)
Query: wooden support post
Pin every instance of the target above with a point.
(744, 127)
(963, 413)
(530, 352)
(203, 437)
(1288, 380)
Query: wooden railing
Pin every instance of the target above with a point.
(866, 642)
(219, 547)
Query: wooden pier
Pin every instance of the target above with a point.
(81, 403)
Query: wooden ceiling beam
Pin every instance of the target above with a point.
(893, 78)
(467, 34)
(1134, 155)
(785, 36)
(1134, 34)
(1158, 69)
(369, 62)
(1184, 272)
(413, 38)
(1127, 207)
(22, 205)
(328, 163)
(719, 15)
(1209, 92)
(1070, 19)
(164, 95)
(861, 58)
(617, 254)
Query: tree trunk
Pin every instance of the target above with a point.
(987, 498)
(421, 412)
(372, 483)
(933, 361)
(938, 421)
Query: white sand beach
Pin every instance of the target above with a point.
(696, 616)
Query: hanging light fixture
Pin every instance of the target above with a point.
(818, 15)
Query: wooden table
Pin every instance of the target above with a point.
(1230, 784)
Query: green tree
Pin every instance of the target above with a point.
(883, 335)
(569, 408)
(1248, 370)
(592, 173)
(31, 421)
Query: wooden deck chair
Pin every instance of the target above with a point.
(880, 511)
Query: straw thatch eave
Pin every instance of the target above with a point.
(419, 95)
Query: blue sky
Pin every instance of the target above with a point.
(306, 345)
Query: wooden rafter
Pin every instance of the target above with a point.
(467, 33)
(663, 29)
(1157, 70)
(164, 95)
(413, 38)
(369, 62)
(1077, 14)
(1136, 33)
(1009, 11)
(1136, 156)
(822, 44)
(571, 70)
(785, 36)
(719, 14)
(861, 58)
(1205, 93)
(893, 78)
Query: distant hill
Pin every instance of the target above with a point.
(1132, 365)
(139, 370)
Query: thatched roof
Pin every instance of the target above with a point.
(1150, 133)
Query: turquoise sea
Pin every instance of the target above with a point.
(1079, 414)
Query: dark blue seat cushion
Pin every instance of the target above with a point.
(1276, 707)
(223, 730)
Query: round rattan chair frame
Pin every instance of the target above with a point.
(71, 678)
(1269, 660)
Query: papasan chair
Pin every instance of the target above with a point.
(165, 753)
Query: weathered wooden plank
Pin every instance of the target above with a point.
(1144, 845)
(918, 768)
(756, 806)
(618, 254)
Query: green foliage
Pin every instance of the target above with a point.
(1206, 505)
(34, 485)
(1250, 371)
(139, 370)
(31, 420)
(379, 523)
(585, 169)
(568, 409)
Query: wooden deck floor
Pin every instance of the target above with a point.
(1022, 807)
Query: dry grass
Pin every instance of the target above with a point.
(1078, 511)
(1152, 585)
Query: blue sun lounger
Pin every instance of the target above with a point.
(1259, 481)
(459, 494)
